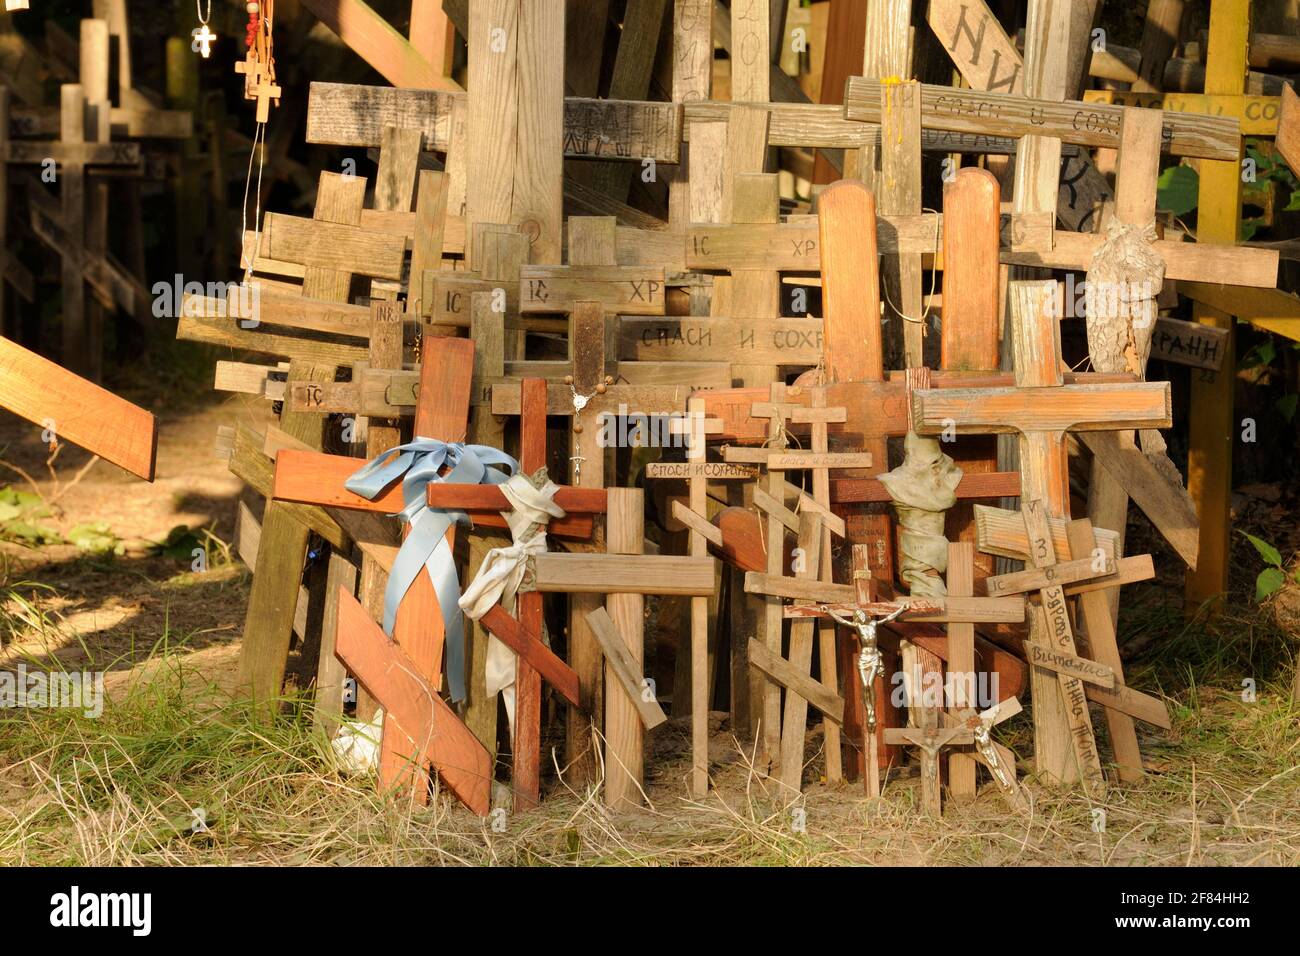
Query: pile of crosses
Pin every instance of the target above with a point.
(449, 302)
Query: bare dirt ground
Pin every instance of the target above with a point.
(114, 609)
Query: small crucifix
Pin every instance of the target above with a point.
(203, 40)
(965, 729)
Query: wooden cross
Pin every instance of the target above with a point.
(1057, 651)
(259, 78)
(819, 460)
(523, 632)
(1042, 410)
(694, 514)
(310, 477)
(965, 729)
(622, 576)
(1003, 532)
(588, 397)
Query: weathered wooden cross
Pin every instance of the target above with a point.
(1042, 409)
(694, 514)
(523, 632)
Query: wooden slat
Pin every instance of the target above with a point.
(342, 114)
(635, 291)
(430, 730)
(1068, 407)
(1090, 124)
(78, 411)
(624, 734)
(824, 698)
(332, 246)
(624, 668)
(623, 574)
(531, 649)
(372, 38)
(1212, 423)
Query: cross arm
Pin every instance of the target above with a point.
(1048, 409)
(883, 404)
(315, 478)
(936, 610)
(1005, 114)
(490, 498)
(529, 647)
(432, 728)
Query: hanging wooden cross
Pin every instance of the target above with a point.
(258, 65)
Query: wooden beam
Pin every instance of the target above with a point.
(1212, 421)
(1088, 124)
(623, 574)
(431, 731)
(372, 38)
(77, 410)
(343, 114)
(625, 669)
(824, 698)
(531, 649)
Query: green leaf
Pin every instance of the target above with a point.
(180, 543)
(1249, 227)
(96, 537)
(1178, 189)
(30, 534)
(1293, 203)
(1286, 406)
(1266, 551)
(1269, 580)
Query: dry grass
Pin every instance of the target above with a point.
(122, 788)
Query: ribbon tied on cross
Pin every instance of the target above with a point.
(420, 463)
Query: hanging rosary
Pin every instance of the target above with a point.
(580, 401)
(258, 67)
(203, 37)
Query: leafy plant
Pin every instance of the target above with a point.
(1178, 190)
(97, 538)
(1272, 577)
(20, 513)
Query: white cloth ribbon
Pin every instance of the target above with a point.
(502, 573)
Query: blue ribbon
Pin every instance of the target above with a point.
(418, 464)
